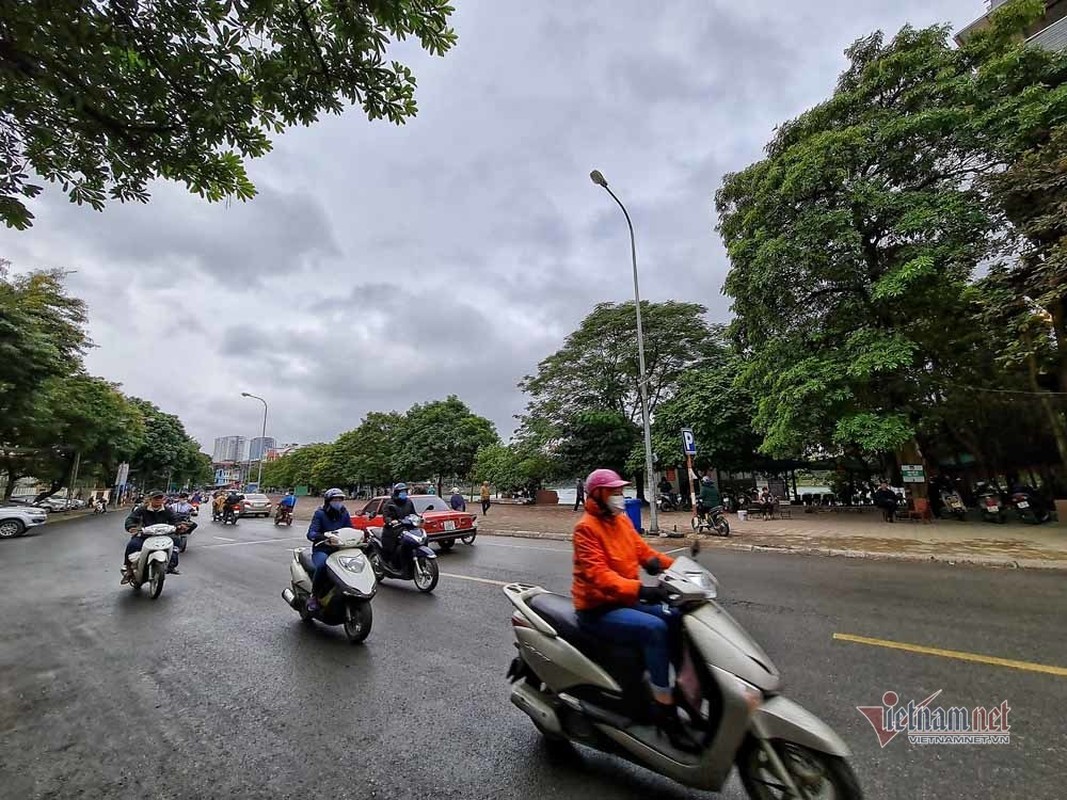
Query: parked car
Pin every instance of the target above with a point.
(16, 520)
(255, 505)
(440, 522)
(26, 501)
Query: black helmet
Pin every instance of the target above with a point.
(400, 487)
(156, 493)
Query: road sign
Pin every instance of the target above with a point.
(123, 474)
(689, 442)
(912, 473)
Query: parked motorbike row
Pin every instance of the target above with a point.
(1029, 506)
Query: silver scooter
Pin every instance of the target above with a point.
(149, 564)
(585, 690)
(353, 581)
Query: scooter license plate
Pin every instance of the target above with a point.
(1022, 504)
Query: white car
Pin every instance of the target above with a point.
(16, 520)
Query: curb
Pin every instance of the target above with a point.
(717, 542)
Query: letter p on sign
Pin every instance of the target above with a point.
(689, 442)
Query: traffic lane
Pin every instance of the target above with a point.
(793, 605)
(217, 688)
(452, 658)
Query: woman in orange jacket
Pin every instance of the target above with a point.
(612, 603)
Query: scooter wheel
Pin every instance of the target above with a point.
(358, 621)
(427, 573)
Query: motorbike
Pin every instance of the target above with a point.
(1030, 508)
(229, 515)
(711, 519)
(667, 501)
(989, 503)
(182, 534)
(283, 516)
(952, 505)
(579, 689)
(100, 506)
(353, 584)
(412, 558)
(150, 564)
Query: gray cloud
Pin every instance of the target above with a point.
(381, 266)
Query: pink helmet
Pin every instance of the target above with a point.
(599, 478)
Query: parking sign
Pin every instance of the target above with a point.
(689, 442)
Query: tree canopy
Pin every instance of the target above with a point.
(855, 242)
(101, 98)
(441, 440)
(597, 368)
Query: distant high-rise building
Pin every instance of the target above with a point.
(1050, 31)
(260, 446)
(229, 449)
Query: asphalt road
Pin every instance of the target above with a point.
(217, 689)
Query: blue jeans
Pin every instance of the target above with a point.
(645, 626)
(134, 546)
(318, 579)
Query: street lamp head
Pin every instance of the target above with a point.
(598, 179)
(245, 394)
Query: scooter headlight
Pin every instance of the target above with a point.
(356, 563)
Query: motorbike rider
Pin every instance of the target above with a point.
(287, 503)
(183, 510)
(233, 501)
(333, 516)
(154, 512)
(610, 600)
(709, 496)
(456, 501)
(667, 488)
(397, 507)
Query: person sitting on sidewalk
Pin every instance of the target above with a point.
(887, 500)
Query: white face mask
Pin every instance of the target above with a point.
(617, 503)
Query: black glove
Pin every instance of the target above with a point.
(653, 566)
(654, 594)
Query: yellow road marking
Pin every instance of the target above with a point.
(1027, 666)
(472, 578)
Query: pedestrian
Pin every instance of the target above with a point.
(456, 501)
(887, 500)
(485, 498)
(579, 495)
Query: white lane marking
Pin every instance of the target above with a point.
(257, 541)
(524, 546)
(675, 550)
(476, 580)
(223, 539)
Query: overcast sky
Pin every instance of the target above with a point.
(383, 266)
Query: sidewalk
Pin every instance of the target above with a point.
(856, 535)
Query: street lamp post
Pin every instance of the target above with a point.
(262, 439)
(599, 180)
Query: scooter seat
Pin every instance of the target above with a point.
(558, 611)
(304, 558)
(626, 664)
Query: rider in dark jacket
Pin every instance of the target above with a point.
(153, 512)
(333, 516)
(395, 509)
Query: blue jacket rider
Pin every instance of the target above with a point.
(333, 516)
